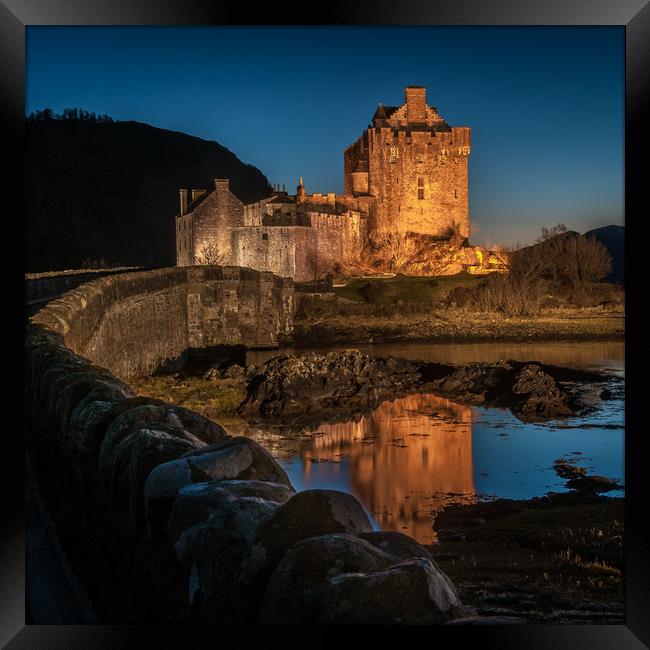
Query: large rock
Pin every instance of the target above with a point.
(150, 448)
(319, 383)
(311, 513)
(213, 526)
(474, 380)
(537, 393)
(410, 593)
(116, 451)
(298, 585)
(236, 458)
(526, 388)
(398, 545)
(243, 504)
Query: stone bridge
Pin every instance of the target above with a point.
(133, 322)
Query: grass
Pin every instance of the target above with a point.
(215, 399)
(405, 289)
(561, 563)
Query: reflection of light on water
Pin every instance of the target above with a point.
(411, 457)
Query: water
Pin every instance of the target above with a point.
(412, 456)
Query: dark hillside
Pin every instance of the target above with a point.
(110, 190)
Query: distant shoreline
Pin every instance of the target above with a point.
(455, 326)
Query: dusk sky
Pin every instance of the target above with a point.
(545, 105)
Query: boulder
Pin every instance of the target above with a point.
(298, 585)
(236, 458)
(150, 448)
(117, 446)
(412, 592)
(213, 526)
(396, 544)
(244, 503)
(234, 372)
(537, 393)
(311, 513)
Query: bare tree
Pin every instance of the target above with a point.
(548, 233)
(209, 255)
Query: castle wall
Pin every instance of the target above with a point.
(287, 251)
(340, 240)
(255, 213)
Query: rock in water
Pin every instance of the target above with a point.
(538, 394)
(317, 383)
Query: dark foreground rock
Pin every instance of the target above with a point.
(337, 384)
(235, 458)
(411, 592)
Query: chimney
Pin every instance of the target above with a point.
(183, 198)
(416, 103)
(222, 184)
(300, 193)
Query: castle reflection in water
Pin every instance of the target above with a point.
(402, 461)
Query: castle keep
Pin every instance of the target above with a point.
(407, 173)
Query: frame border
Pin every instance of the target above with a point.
(634, 15)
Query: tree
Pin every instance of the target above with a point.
(209, 255)
(548, 233)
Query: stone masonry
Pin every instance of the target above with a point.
(407, 173)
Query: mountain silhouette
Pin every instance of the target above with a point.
(109, 191)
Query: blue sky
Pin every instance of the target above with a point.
(546, 105)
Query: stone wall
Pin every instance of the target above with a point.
(169, 518)
(341, 239)
(40, 287)
(289, 251)
(109, 320)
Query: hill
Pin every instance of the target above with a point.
(613, 237)
(110, 190)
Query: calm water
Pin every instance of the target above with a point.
(412, 456)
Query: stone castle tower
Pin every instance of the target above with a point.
(414, 166)
(406, 173)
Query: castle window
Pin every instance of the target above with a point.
(265, 235)
(394, 154)
(420, 181)
(455, 194)
(420, 193)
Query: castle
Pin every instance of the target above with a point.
(407, 173)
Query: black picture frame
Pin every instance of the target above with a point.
(633, 15)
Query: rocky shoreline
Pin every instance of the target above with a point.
(340, 384)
